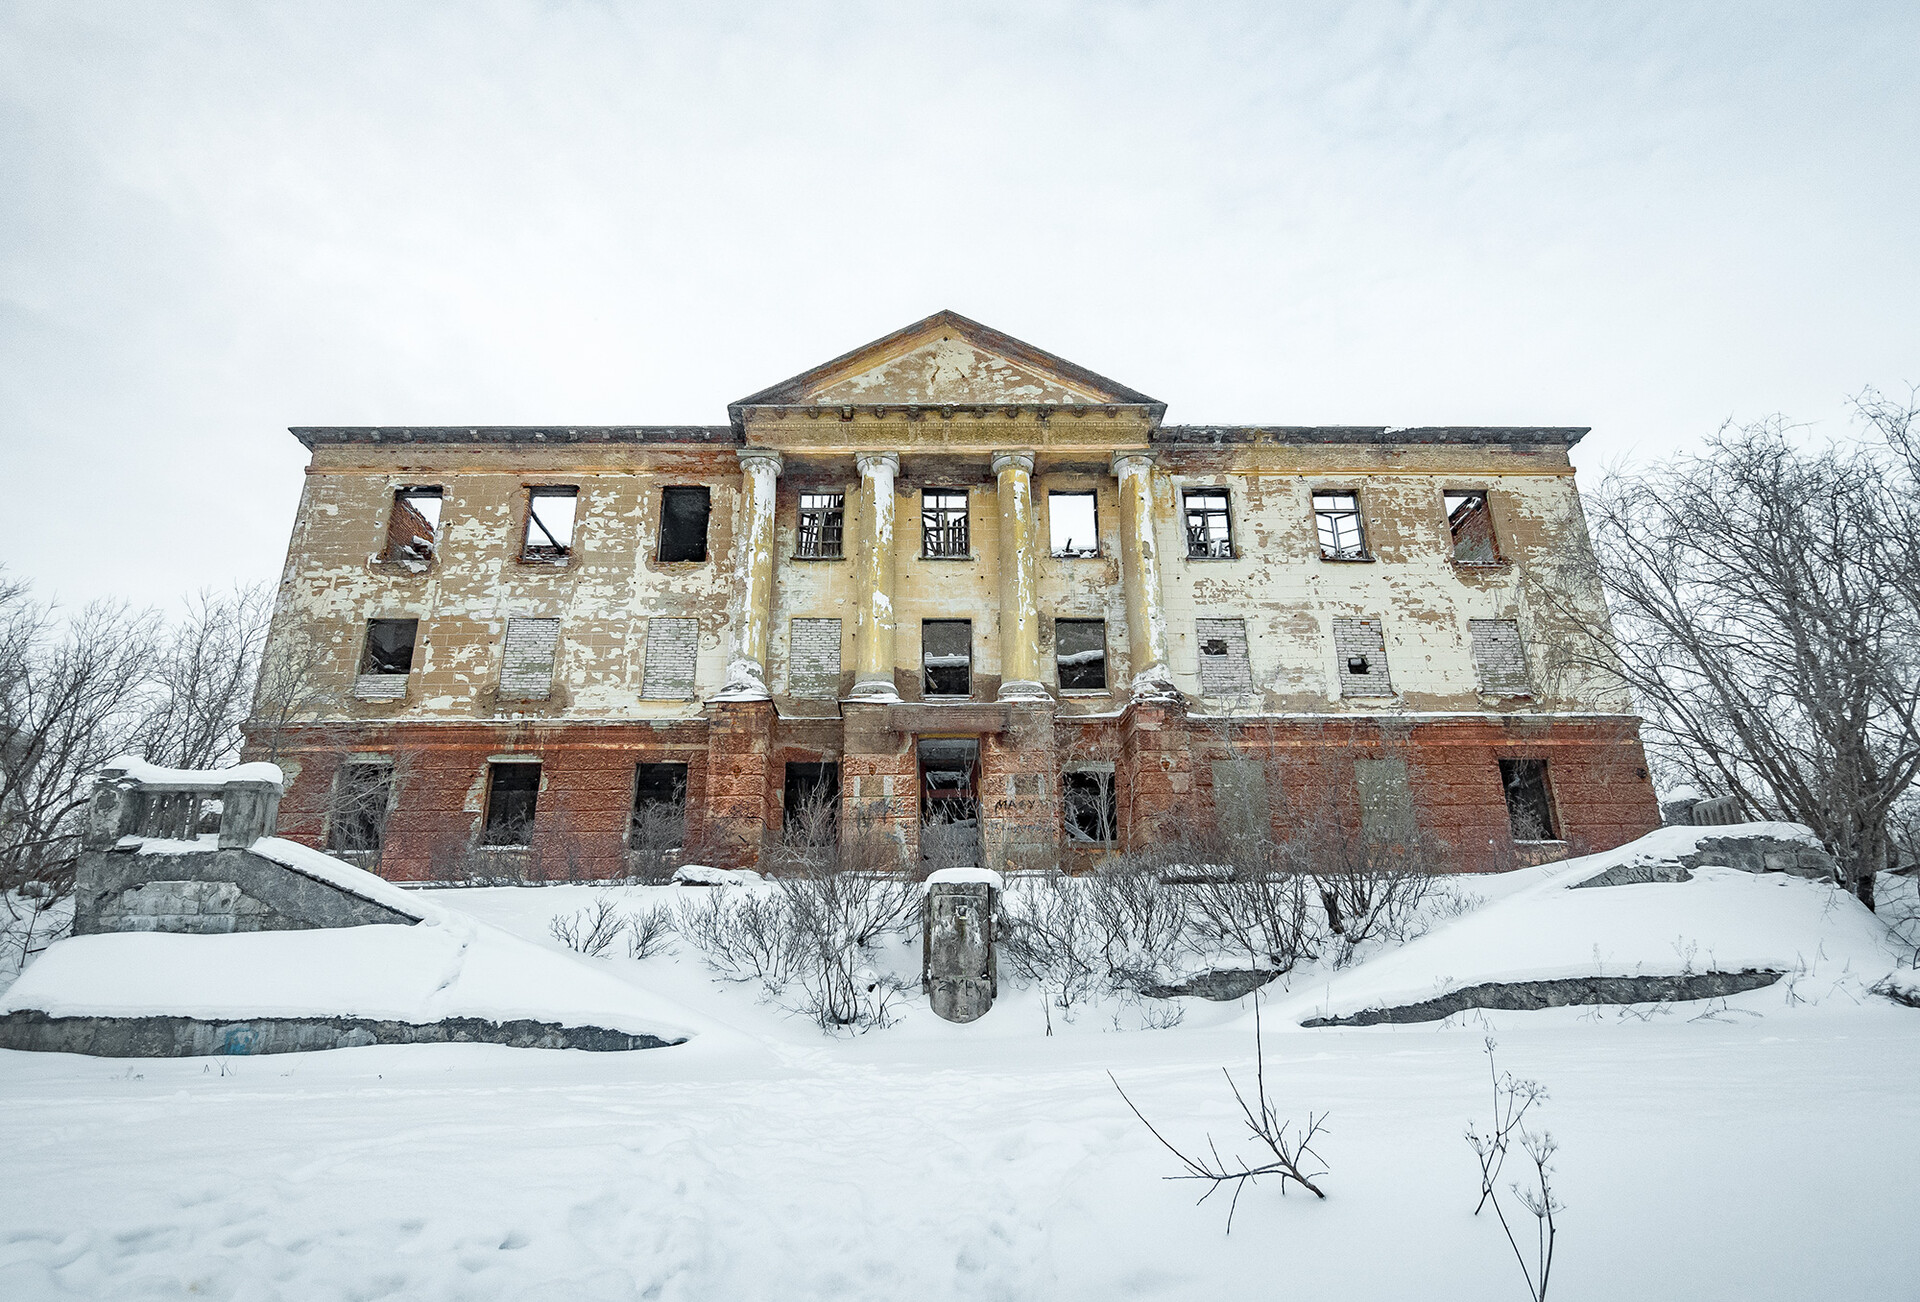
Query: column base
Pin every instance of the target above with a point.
(875, 690)
(1023, 690)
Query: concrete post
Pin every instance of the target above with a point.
(747, 668)
(1140, 576)
(1019, 595)
(958, 967)
(248, 811)
(874, 618)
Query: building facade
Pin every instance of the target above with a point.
(949, 589)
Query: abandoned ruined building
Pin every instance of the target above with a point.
(948, 588)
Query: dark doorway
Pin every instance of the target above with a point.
(811, 813)
(513, 791)
(950, 802)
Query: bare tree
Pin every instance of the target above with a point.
(205, 672)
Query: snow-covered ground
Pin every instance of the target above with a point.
(1759, 1147)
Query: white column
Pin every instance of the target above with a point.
(753, 572)
(1019, 591)
(874, 619)
(1140, 575)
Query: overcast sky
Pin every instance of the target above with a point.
(217, 221)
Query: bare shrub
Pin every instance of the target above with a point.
(1139, 920)
(1512, 1099)
(593, 930)
(1268, 913)
(1047, 936)
(654, 836)
(744, 935)
(649, 931)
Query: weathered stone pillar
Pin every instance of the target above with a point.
(747, 667)
(1140, 576)
(1019, 596)
(874, 620)
(957, 965)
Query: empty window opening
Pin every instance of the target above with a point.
(513, 790)
(949, 802)
(1080, 654)
(659, 818)
(1091, 810)
(389, 646)
(1471, 524)
(362, 794)
(822, 524)
(550, 512)
(1073, 524)
(1342, 536)
(1209, 525)
(413, 526)
(946, 657)
(811, 805)
(683, 523)
(943, 522)
(1529, 801)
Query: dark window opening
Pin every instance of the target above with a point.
(1092, 812)
(1213, 646)
(1358, 665)
(683, 523)
(1209, 525)
(1072, 524)
(822, 525)
(550, 515)
(811, 809)
(513, 790)
(1342, 536)
(411, 529)
(1529, 801)
(946, 657)
(389, 646)
(1471, 523)
(949, 802)
(943, 522)
(1080, 654)
(362, 793)
(659, 817)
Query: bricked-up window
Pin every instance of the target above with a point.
(1360, 648)
(946, 657)
(1209, 523)
(513, 791)
(811, 802)
(1073, 524)
(659, 816)
(550, 512)
(1080, 654)
(1224, 667)
(411, 529)
(813, 666)
(943, 522)
(1091, 810)
(1386, 801)
(526, 667)
(1342, 535)
(673, 653)
(823, 518)
(362, 793)
(1499, 661)
(389, 647)
(1240, 808)
(1529, 799)
(683, 523)
(1471, 523)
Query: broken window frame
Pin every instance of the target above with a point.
(1333, 517)
(820, 529)
(416, 551)
(944, 533)
(928, 671)
(376, 661)
(1527, 784)
(1456, 518)
(683, 551)
(1078, 673)
(1089, 805)
(1069, 552)
(510, 814)
(1205, 542)
(552, 548)
(362, 800)
(659, 795)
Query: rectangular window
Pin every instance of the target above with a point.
(389, 647)
(813, 667)
(1209, 524)
(1386, 801)
(526, 666)
(946, 657)
(362, 794)
(513, 790)
(413, 526)
(659, 818)
(1529, 801)
(1471, 523)
(943, 522)
(550, 512)
(811, 809)
(822, 523)
(1240, 808)
(1072, 524)
(683, 523)
(673, 654)
(1360, 650)
(1342, 536)
(1224, 667)
(1499, 662)
(1080, 654)
(1092, 814)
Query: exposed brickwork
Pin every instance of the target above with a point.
(526, 669)
(1354, 640)
(673, 649)
(814, 662)
(1499, 662)
(1224, 667)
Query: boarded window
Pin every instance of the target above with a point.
(389, 647)
(1080, 654)
(810, 813)
(1386, 801)
(513, 791)
(823, 518)
(1072, 524)
(1091, 812)
(1240, 807)
(526, 667)
(1360, 648)
(1499, 662)
(1336, 515)
(814, 664)
(943, 522)
(683, 523)
(362, 794)
(413, 526)
(673, 653)
(1529, 801)
(550, 513)
(1471, 523)
(946, 657)
(1209, 523)
(1224, 668)
(659, 818)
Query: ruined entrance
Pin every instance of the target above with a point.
(949, 802)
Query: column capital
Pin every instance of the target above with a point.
(749, 456)
(1018, 459)
(1144, 457)
(872, 461)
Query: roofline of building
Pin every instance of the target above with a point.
(312, 435)
(1510, 435)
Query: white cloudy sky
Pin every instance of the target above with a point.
(220, 220)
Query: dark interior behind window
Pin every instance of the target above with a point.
(1080, 653)
(946, 656)
(1092, 814)
(361, 795)
(389, 646)
(1529, 803)
(812, 801)
(513, 791)
(683, 523)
